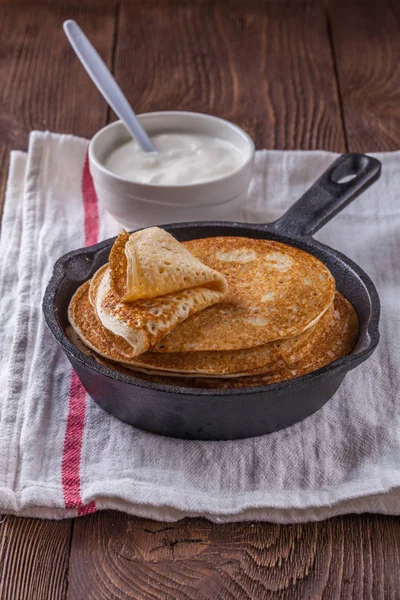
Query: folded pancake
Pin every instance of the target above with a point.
(132, 328)
(276, 291)
(151, 263)
(150, 286)
(338, 340)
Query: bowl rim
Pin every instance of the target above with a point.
(94, 160)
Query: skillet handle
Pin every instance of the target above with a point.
(329, 195)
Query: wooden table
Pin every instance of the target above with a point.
(294, 74)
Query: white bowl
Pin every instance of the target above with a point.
(139, 205)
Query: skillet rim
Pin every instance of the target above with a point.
(346, 363)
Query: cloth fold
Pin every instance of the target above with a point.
(61, 455)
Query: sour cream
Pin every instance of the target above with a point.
(182, 159)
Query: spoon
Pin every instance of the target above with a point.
(106, 84)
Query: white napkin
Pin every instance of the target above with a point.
(61, 455)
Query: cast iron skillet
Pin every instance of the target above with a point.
(237, 413)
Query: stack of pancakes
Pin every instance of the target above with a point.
(214, 312)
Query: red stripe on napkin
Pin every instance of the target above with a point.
(71, 460)
(90, 207)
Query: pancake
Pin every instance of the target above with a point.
(230, 362)
(262, 359)
(154, 309)
(275, 291)
(134, 367)
(144, 368)
(134, 327)
(95, 336)
(338, 340)
(88, 327)
(292, 350)
(94, 284)
(151, 284)
(151, 263)
(144, 322)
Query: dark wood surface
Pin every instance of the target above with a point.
(296, 75)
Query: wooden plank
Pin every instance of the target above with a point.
(65, 3)
(43, 86)
(366, 39)
(115, 556)
(265, 65)
(34, 558)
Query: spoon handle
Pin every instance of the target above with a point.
(106, 84)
